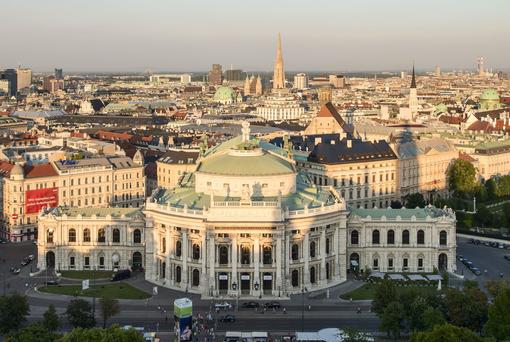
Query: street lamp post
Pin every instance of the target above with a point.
(257, 286)
(303, 290)
(93, 292)
(234, 287)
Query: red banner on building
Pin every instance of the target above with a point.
(40, 198)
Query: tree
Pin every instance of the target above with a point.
(492, 189)
(109, 307)
(432, 317)
(79, 314)
(50, 319)
(467, 308)
(97, 334)
(498, 324)
(392, 319)
(415, 200)
(462, 177)
(494, 287)
(385, 293)
(13, 312)
(446, 333)
(32, 333)
(396, 204)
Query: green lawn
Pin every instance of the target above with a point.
(117, 290)
(367, 291)
(87, 274)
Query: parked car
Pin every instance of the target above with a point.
(250, 305)
(476, 271)
(228, 319)
(31, 257)
(16, 271)
(25, 262)
(273, 305)
(121, 275)
(53, 282)
(223, 306)
(501, 246)
(460, 258)
(507, 257)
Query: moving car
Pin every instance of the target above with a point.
(16, 271)
(223, 306)
(250, 305)
(228, 318)
(121, 275)
(53, 282)
(273, 305)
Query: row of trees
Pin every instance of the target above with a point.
(14, 310)
(448, 315)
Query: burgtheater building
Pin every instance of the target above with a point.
(246, 222)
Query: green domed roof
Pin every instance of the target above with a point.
(258, 164)
(224, 93)
(489, 94)
(441, 108)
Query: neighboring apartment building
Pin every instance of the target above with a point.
(402, 240)
(493, 158)
(91, 238)
(173, 165)
(423, 167)
(99, 182)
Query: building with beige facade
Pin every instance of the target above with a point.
(94, 182)
(90, 238)
(402, 240)
(492, 158)
(423, 167)
(173, 165)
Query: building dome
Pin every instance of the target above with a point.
(489, 100)
(225, 95)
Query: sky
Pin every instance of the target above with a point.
(190, 35)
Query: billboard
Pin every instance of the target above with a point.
(40, 198)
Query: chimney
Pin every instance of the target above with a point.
(318, 140)
(349, 143)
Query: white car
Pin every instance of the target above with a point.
(224, 306)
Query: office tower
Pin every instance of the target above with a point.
(11, 76)
(51, 84)
(301, 81)
(24, 78)
(279, 74)
(234, 75)
(215, 75)
(437, 71)
(337, 81)
(481, 70)
(59, 74)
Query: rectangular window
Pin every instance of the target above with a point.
(406, 263)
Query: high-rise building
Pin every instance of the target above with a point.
(215, 75)
(279, 74)
(59, 74)
(24, 78)
(11, 76)
(4, 87)
(437, 71)
(337, 81)
(51, 84)
(481, 69)
(301, 81)
(234, 75)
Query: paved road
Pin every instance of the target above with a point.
(485, 258)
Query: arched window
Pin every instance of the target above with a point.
(137, 236)
(312, 249)
(195, 281)
(101, 262)
(420, 237)
(312, 275)
(72, 235)
(354, 237)
(86, 235)
(295, 278)
(405, 237)
(178, 248)
(390, 237)
(376, 263)
(178, 274)
(327, 246)
(295, 252)
(267, 255)
(443, 238)
(116, 235)
(196, 251)
(101, 235)
(49, 236)
(245, 255)
(223, 255)
(375, 237)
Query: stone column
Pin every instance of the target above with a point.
(256, 260)
(286, 260)
(279, 264)
(212, 258)
(233, 262)
(335, 269)
(169, 244)
(306, 257)
(322, 278)
(203, 259)
(185, 242)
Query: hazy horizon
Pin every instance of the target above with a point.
(158, 35)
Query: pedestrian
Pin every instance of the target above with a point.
(359, 310)
(309, 307)
(284, 310)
